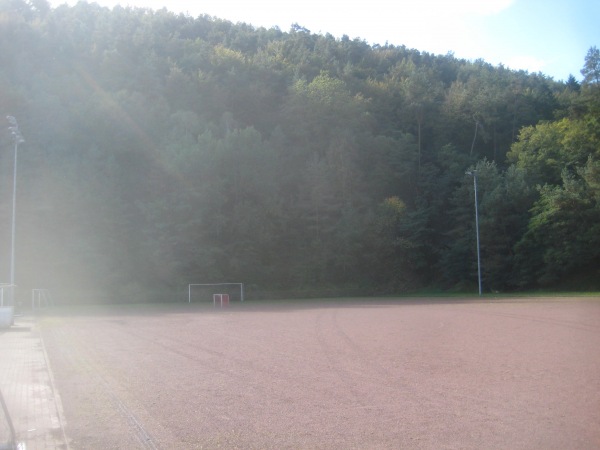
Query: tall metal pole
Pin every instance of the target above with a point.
(14, 128)
(14, 215)
(474, 174)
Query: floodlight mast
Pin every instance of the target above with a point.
(473, 173)
(18, 139)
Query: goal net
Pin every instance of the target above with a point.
(41, 298)
(7, 306)
(5, 294)
(204, 292)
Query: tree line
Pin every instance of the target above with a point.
(163, 149)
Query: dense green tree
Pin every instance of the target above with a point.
(591, 68)
(420, 95)
(546, 149)
(393, 246)
(504, 219)
(562, 239)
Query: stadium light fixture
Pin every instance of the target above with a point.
(473, 173)
(18, 139)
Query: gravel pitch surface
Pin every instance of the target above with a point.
(511, 373)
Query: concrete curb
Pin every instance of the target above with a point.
(28, 388)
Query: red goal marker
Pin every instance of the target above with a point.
(222, 300)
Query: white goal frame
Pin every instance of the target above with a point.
(240, 285)
(9, 289)
(41, 298)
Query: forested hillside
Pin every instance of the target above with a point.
(163, 149)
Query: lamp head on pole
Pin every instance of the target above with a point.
(14, 130)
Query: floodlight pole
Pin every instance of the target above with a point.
(18, 138)
(473, 173)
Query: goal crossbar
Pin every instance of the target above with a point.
(241, 286)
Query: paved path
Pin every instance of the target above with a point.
(27, 387)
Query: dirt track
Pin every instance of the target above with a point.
(503, 374)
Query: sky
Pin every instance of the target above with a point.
(548, 36)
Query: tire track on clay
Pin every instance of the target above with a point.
(174, 346)
(358, 369)
(334, 361)
(393, 397)
(397, 392)
(246, 367)
(580, 326)
(73, 350)
(361, 353)
(373, 371)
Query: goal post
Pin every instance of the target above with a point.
(41, 298)
(6, 294)
(237, 288)
(7, 305)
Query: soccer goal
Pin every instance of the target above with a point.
(7, 305)
(6, 292)
(204, 292)
(41, 298)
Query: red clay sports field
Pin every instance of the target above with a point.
(373, 374)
